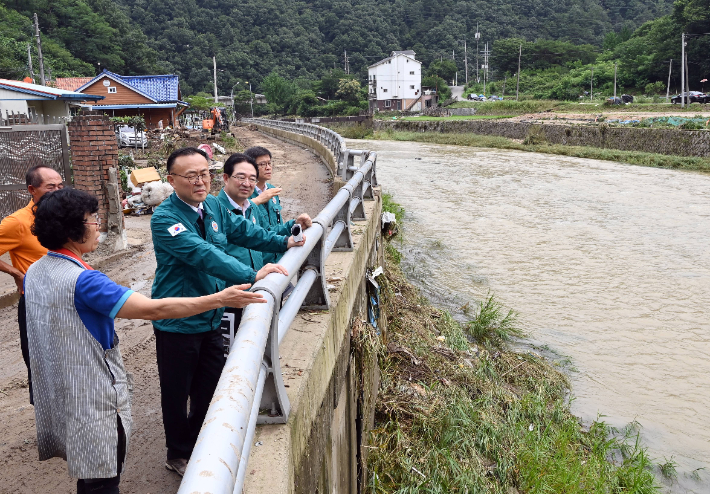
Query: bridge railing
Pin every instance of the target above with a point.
(250, 390)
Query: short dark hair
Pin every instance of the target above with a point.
(237, 158)
(33, 177)
(185, 152)
(255, 151)
(59, 217)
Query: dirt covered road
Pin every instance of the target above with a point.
(306, 189)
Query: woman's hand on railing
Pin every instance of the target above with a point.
(238, 297)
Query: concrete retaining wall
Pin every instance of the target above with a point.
(661, 141)
(331, 383)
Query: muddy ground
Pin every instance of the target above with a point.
(306, 189)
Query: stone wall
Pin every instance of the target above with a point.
(661, 141)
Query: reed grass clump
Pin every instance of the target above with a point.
(460, 412)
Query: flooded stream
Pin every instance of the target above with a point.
(608, 264)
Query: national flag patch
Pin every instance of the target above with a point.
(176, 228)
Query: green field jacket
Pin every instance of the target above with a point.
(274, 222)
(191, 266)
(250, 257)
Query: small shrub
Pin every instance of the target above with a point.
(492, 326)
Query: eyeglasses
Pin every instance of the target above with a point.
(243, 179)
(97, 222)
(264, 164)
(194, 179)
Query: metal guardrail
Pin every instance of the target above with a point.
(250, 390)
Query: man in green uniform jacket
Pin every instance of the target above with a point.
(267, 197)
(191, 232)
(240, 177)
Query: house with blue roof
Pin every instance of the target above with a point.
(156, 97)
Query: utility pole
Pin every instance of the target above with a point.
(682, 70)
(478, 36)
(29, 60)
(39, 53)
(505, 79)
(517, 85)
(591, 85)
(465, 60)
(485, 67)
(614, 82)
(668, 87)
(347, 63)
(214, 63)
(687, 79)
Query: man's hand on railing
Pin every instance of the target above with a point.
(292, 242)
(238, 297)
(271, 268)
(267, 195)
(304, 220)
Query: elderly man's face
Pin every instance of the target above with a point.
(240, 185)
(190, 177)
(51, 181)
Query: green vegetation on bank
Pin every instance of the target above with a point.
(476, 140)
(512, 107)
(459, 411)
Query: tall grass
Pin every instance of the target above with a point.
(476, 140)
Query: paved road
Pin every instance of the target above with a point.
(457, 93)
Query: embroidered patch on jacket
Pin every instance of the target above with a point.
(273, 199)
(253, 220)
(176, 228)
(214, 226)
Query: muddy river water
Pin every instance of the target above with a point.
(606, 263)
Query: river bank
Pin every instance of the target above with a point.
(606, 264)
(459, 410)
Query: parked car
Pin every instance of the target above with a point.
(691, 97)
(127, 137)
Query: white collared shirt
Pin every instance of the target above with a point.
(194, 208)
(242, 209)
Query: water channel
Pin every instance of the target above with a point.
(606, 263)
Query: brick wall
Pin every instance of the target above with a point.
(93, 151)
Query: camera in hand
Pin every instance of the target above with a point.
(297, 232)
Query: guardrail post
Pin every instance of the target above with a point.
(317, 297)
(358, 214)
(344, 242)
(349, 164)
(274, 398)
(344, 163)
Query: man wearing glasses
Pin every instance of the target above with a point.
(241, 175)
(191, 233)
(24, 248)
(267, 196)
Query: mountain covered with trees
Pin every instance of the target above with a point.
(303, 40)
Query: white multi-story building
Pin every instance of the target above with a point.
(395, 83)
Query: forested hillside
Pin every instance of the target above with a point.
(304, 39)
